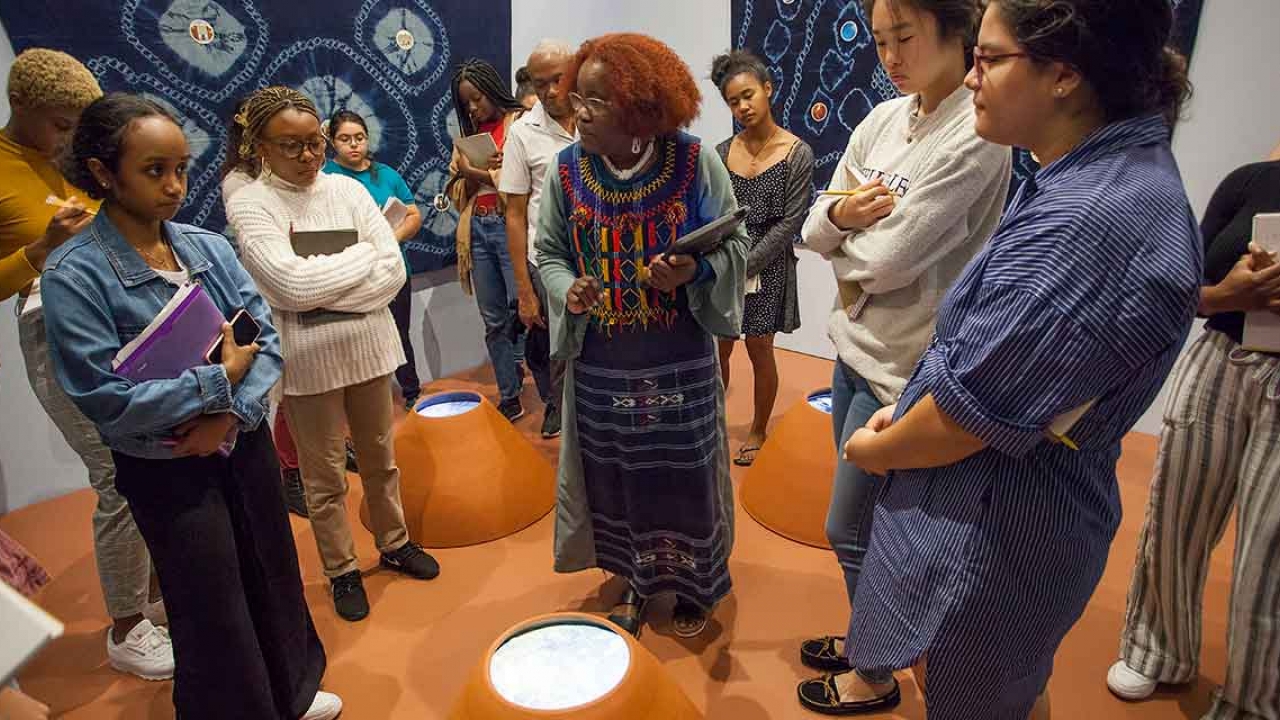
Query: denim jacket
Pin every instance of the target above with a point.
(99, 294)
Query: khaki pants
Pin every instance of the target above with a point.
(319, 424)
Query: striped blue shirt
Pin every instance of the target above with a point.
(1086, 291)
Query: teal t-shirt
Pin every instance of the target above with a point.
(383, 185)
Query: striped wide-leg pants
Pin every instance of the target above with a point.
(1219, 449)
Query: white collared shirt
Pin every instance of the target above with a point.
(532, 143)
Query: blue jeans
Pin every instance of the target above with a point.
(853, 495)
(495, 288)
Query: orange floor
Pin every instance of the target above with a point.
(411, 657)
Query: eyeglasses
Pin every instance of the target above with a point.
(357, 139)
(593, 105)
(292, 149)
(982, 62)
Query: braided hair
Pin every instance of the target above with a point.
(252, 117)
(485, 78)
(343, 115)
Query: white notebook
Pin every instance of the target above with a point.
(478, 148)
(395, 211)
(27, 629)
(1262, 328)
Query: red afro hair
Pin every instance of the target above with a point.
(653, 89)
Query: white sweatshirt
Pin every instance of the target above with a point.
(364, 278)
(953, 186)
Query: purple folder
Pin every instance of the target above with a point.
(176, 340)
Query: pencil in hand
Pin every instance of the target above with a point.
(58, 202)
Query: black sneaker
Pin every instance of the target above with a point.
(295, 498)
(411, 560)
(551, 421)
(352, 465)
(349, 598)
(511, 409)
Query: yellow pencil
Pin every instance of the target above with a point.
(851, 193)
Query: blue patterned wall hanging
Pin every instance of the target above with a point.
(826, 73)
(389, 60)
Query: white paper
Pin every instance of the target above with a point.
(1266, 232)
(27, 629)
(1062, 424)
(478, 148)
(1261, 327)
(169, 308)
(395, 211)
(33, 302)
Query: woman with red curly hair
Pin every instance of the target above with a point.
(644, 487)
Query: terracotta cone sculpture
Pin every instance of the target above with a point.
(466, 475)
(788, 487)
(617, 678)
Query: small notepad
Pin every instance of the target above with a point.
(1262, 328)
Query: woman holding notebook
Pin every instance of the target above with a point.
(644, 489)
(915, 196)
(193, 456)
(993, 527)
(337, 333)
(485, 107)
(353, 157)
(1217, 454)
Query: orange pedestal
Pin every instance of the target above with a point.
(466, 475)
(645, 692)
(788, 487)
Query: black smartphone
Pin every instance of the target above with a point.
(243, 327)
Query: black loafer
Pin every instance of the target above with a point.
(820, 654)
(820, 695)
(631, 617)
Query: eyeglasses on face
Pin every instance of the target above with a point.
(982, 62)
(594, 106)
(355, 140)
(292, 148)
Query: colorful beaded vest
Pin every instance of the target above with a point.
(618, 226)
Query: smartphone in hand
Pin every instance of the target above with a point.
(245, 330)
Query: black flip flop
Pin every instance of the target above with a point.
(742, 460)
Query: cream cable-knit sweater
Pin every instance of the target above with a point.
(364, 278)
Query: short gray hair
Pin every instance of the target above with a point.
(552, 48)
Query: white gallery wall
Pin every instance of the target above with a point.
(1234, 119)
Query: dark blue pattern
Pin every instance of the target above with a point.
(1086, 290)
(827, 76)
(198, 57)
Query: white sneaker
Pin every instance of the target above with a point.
(146, 652)
(1129, 684)
(326, 706)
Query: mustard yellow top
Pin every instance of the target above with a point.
(29, 178)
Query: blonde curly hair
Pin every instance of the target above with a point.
(43, 78)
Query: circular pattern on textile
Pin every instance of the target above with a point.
(331, 94)
(405, 40)
(406, 36)
(206, 49)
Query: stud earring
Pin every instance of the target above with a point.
(1058, 92)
